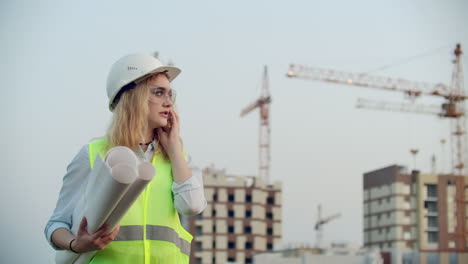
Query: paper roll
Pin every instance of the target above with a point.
(120, 155)
(146, 174)
(107, 193)
(110, 192)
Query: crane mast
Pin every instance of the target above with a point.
(453, 107)
(319, 225)
(263, 102)
(458, 124)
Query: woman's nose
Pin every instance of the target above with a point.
(167, 102)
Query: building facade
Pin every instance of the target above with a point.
(416, 218)
(442, 216)
(243, 218)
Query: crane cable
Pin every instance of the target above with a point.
(409, 59)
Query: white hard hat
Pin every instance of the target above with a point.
(133, 69)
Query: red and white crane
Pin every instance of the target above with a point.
(263, 103)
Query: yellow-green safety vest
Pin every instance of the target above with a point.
(150, 232)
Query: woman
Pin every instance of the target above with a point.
(144, 120)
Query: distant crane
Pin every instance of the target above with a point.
(414, 152)
(453, 108)
(319, 225)
(263, 102)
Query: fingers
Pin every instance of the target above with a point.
(98, 240)
(116, 231)
(83, 226)
(175, 117)
(106, 239)
(175, 114)
(112, 234)
(100, 232)
(175, 125)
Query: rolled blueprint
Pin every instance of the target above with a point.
(146, 174)
(106, 192)
(111, 189)
(118, 155)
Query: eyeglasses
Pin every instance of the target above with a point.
(164, 94)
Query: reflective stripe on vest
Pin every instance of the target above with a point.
(153, 232)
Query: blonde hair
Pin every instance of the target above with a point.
(130, 120)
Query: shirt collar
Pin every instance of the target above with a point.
(145, 155)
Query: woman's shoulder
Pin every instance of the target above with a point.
(84, 152)
(97, 140)
(95, 147)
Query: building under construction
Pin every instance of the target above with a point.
(416, 218)
(243, 218)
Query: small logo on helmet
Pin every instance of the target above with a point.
(131, 68)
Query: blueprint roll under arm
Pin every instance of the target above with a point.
(111, 189)
(146, 173)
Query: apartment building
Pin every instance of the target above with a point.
(243, 218)
(389, 209)
(416, 218)
(443, 218)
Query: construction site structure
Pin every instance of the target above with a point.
(243, 218)
(414, 217)
(263, 103)
(321, 221)
(453, 107)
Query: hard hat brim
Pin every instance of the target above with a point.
(171, 72)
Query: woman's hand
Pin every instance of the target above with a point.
(170, 140)
(86, 242)
(169, 136)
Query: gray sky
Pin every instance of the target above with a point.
(56, 55)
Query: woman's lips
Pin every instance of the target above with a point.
(164, 114)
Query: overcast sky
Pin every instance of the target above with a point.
(55, 57)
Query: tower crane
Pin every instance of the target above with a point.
(319, 225)
(263, 102)
(404, 107)
(453, 107)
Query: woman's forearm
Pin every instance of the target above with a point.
(180, 168)
(62, 237)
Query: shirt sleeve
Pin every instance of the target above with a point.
(189, 196)
(74, 179)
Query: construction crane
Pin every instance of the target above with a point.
(453, 107)
(319, 225)
(263, 102)
(405, 107)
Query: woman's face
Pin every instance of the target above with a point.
(159, 101)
